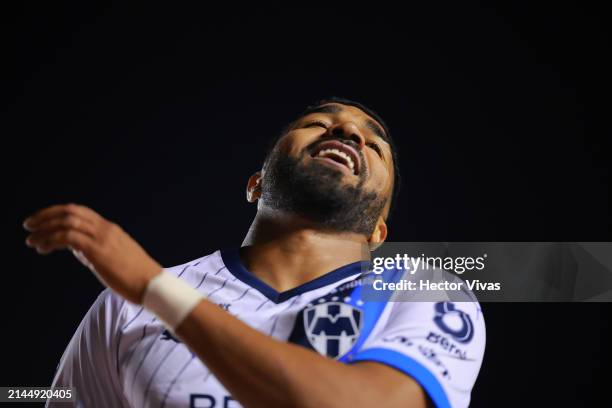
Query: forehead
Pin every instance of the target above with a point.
(341, 109)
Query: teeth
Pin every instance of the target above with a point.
(337, 152)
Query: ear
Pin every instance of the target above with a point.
(253, 191)
(379, 235)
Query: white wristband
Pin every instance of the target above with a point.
(170, 298)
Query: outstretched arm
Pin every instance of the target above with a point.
(261, 371)
(258, 370)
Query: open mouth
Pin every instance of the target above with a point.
(339, 153)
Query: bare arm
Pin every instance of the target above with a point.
(258, 370)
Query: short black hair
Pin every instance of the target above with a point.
(370, 112)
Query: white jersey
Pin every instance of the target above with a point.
(122, 356)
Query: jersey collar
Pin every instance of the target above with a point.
(231, 259)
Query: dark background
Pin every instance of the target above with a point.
(156, 116)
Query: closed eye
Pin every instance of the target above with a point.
(376, 148)
(317, 123)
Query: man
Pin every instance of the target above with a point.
(292, 329)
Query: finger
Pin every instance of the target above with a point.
(60, 210)
(44, 231)
(63, 239)
(42, 215)
(64, 222)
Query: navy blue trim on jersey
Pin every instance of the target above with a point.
(371, 310)
(231, 259)
(413, 368)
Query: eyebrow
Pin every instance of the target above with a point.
(372, 125)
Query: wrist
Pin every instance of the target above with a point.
(146, 277)
(170, 298)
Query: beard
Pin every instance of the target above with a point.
(317, 193)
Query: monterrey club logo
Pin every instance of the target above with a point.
(332, 327)
(454, 322)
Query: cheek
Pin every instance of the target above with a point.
(379, 178)
(295, 143)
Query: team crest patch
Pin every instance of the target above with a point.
(332, 328)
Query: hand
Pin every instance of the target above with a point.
(112, 255)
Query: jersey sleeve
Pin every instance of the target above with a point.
(438, 344)
(88, 363)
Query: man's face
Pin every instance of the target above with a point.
(333, 167)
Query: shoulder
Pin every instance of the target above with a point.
(440, 344)
(109, 306)
(462, 321)
(437, 299)
(197, 267)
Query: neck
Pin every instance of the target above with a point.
(286, 251)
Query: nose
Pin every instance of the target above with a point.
(348, 130)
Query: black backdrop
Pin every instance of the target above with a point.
(155, 117)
